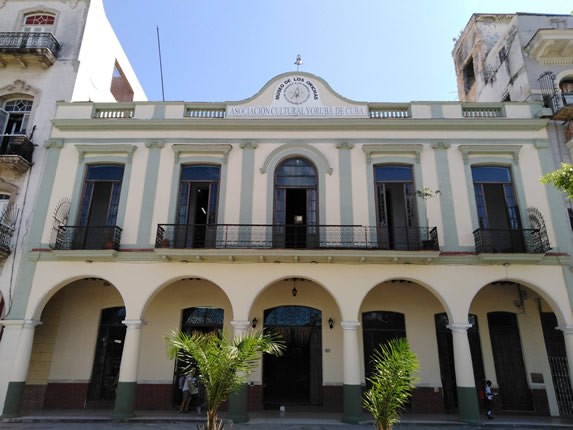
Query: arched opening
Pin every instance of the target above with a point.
(295, 204)
(295, 378)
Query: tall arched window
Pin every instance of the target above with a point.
(295, 204)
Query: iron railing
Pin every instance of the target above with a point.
(265, 236)
(6, 234)
(16, 144)
(87, 237)
(23, 41)
(513, 241)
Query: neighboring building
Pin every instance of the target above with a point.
(521, 57)
(50, 50)
(304, 212)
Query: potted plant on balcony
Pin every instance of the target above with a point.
(427, 193)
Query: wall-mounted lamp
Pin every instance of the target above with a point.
(330, 323)
(254, 322)
(294, 291)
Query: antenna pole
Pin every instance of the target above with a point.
(160, 65)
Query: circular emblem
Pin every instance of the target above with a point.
(297, 93)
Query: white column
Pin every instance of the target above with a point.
(351, 352)
(130, 354)
(240, 327)
(24, 351)
(568, 337)
(462, 355)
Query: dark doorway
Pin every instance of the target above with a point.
(396, 207)
(99, 206)
(295, 205)
(378, 328)
(446, 357)
(508, 360)
(202, 319)
(557, 355)
(197, 206)
(295, 378)
(107, 360)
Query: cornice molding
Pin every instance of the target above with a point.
(221, 150)
(468, 150)
(412, 149)
(128, 150)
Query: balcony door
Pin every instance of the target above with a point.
(99, 206)
(295, 205)
(396, 204)
(497, 208)
(14, 117)
(197, 206)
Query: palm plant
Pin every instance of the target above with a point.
(392, 382)
(223, 362)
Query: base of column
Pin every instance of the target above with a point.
(468, 405)
(13, 400)
(352, 404)
(125, 400)
(238, 405)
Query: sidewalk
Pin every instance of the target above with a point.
(90, 419)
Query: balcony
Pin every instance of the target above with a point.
(6, 234)
(87, 237)
(16, 152)
(28, 48)
(310, 237)
(511, 241)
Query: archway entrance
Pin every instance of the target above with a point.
(295, 378)
(107, 361)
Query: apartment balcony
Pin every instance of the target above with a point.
(299, 237)
(88, 237)
(510, 241)
(551, 46)
(27, 48)
(16, 152)
(6, 234)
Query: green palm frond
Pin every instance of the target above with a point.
(392, 382)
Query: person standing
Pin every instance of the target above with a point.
(489, 399)
(188, 385)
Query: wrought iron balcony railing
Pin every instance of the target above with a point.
(73, 237)
(265, 236)
(16, 144)
(6, 234)
(17, 42)
(529, 241)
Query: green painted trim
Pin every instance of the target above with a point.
(468, 405)
(176, 174)
(125, 400)
(149, 192)
(247, 183)
(40, 214)
(449, 226)
(352, 404)
(288, 124)
(238, 405)
(345, 181)
(13, 400)
(287, 151)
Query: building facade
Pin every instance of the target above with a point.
(49, 51)
(521, 57)
(336, 223)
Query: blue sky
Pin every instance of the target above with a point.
(367, 50)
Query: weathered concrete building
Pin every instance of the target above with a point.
(49, 51)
